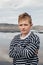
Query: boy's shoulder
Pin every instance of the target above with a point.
(16, 36)
(34, 35)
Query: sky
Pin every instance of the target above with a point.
(11, 9)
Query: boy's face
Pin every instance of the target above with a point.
(24, 26)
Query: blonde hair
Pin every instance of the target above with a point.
(25, 16)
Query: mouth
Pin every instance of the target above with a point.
(23, 30)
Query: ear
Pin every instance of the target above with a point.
(31, 24)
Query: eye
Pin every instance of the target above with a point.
(25, 24)
(20, 24)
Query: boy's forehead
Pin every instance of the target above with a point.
(23, 21)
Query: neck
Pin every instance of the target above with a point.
(23, 35)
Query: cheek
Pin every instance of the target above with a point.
(20, 28)
(28, 28)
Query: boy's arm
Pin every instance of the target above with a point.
(11, 48)
(36, 52)
(29, 51)
(12, 51)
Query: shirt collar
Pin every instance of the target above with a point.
(25, 36)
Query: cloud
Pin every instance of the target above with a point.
(2, 2)
(20, 3)
(10, 9)
(11, 3)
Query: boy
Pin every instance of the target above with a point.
(24, 46)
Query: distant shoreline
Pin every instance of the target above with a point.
(5, 27)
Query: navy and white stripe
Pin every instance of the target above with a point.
(24, 49)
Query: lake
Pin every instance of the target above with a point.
(5, 39)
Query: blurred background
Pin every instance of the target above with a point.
(9, 12)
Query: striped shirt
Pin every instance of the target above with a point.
(23, 50)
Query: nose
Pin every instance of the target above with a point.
(23, 26)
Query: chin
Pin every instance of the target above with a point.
(23, 32)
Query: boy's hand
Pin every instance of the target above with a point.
(36, 52)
